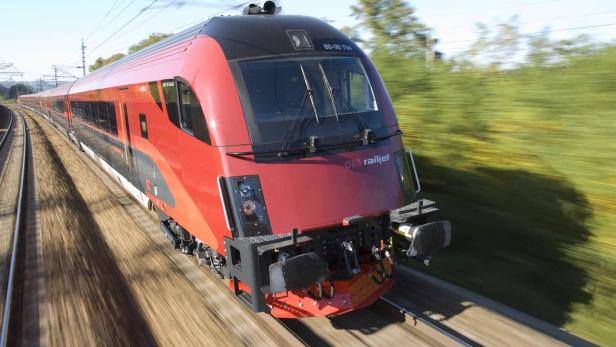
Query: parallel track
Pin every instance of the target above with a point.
(6, 134)
(8, 300)
(445, 331)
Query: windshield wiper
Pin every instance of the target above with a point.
(307, 148)
(368, 138)
(310, 93)
(330, 90)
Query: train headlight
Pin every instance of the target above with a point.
(246, 191)
(248, 206)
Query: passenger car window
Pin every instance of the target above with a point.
(144, 125)
(102, 116)
(113, 123)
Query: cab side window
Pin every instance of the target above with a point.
(184, 109)
(189, 106)
(191, 114)
(170, 94)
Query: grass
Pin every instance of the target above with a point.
(524, 164)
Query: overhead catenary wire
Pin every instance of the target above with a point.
(160, 10)
(232, 7)
(490, 9)
(122, 27)
(459, 28)
(183, 26)
(540, 32)
(115, 4)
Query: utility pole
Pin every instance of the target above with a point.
(41, 84)
(55, 74)
(83, 57)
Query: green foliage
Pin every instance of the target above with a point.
(392, 26)
(522, 160)
(19, 89)
(519, 152)
(153, 38)
(4, 92)
(100, 62)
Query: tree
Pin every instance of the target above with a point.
(19, 89)
(540, 49)
(100, 62)
(4, 91)
(392, 26)
(153, 38)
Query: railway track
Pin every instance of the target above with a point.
(14, 180)
(295, 332)
(386, 322)
(424, 324)
(5, 132)
(173, 310)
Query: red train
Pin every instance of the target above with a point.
(270, 149)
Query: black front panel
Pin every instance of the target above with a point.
(258, 36)
(248, 206)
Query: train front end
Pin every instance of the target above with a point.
(322, 203)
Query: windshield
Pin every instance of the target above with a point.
(328, 97)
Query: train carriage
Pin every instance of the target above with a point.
(270, 150)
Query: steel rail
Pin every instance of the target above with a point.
(13, 265)
(451, 334)
(156, 221)
(8, 130)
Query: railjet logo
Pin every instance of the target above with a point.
(375, 160)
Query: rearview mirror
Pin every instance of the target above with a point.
(410, 159)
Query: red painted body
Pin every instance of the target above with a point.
(304, 193)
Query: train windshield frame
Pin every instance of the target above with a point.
(287, 100)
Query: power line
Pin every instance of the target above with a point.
(543, 20)
(117, 2)
(147, 19)
(540, 32)
(490, 9)
(9, 70)
(195, 4)
(232, 7)
(121, 11)
(184, 26)
(123, 26)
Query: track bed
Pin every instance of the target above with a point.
(106, 283)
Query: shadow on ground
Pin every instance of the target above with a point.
(512, 231)
(80, 268)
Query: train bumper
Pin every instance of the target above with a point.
(332, 270)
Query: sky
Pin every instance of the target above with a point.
(37, 34)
